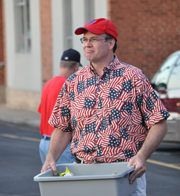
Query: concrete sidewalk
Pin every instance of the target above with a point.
(20, 117)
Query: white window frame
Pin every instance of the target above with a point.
(22, 25)
(68, 38)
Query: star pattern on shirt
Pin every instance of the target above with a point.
(98, 89)
(115, 115)
(103, 125)
(81, 87)
(82, 133)
(146, 118)
(127, 86)
(71, 77)
(68, 128)
(128, 106)
(149, 104)
(88, 150)
(128, 153)
(124, 134)
(91, 81)
(118, 73)
(74, 122)
(113, 94)
(88, 103)
(139, 100)
(72, 96)
(164, 113)
(107, 76)
(100, 104)
(143, 123)
(155, 97)
(76, 142)
(65, 111)
(90, 128)
(114, 142)
(63, 89)
(139, 145)
(99, 150)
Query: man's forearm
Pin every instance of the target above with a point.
(58, 143)
(153, 139)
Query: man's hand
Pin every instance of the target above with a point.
(152, 141)
(49, 164)
(140, 168)
(58, 143)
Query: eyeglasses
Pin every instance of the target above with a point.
(92, 40)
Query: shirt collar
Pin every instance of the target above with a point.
(111, 66)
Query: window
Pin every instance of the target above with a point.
(67, 24)
(175, 77)
(22, 25)
(160, 80)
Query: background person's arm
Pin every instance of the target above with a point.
(152, 141)
(58, 143)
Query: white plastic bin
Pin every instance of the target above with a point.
(88, 180)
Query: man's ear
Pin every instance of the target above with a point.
(76, 68)
(112, 43)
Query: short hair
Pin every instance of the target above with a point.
(68, 64)
(111, 37)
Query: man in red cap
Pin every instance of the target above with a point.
(108, 108)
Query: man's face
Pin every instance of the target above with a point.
(96, 48)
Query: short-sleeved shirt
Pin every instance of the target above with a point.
(109, 115)
(48, 99)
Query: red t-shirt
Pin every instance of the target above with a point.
(48, 99)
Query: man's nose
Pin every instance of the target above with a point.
(88, 43)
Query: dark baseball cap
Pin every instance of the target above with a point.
(71, 55)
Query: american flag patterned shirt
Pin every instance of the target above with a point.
(109, 116)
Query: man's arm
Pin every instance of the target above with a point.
(152, 141)
(58, 143)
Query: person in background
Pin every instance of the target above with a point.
(70, 62)
(108, 108)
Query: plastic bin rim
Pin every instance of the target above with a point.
(39, 177)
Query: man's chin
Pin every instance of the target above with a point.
(88, 57)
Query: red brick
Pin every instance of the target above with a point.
(46, 40)
(148, 31)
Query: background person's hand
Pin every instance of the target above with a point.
(140, 168)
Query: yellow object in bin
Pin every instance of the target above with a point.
(66, 173)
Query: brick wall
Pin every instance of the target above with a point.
(46, 40)
(2, 50)
(148, 31)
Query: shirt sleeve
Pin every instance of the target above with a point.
(147, 100)
(60, 117)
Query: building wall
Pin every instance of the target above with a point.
(28, 72)
(23, 69)
(148, 31)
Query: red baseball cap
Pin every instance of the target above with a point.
(99, 26)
